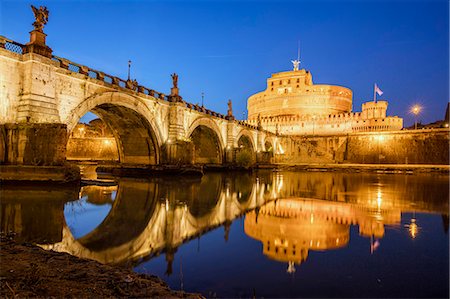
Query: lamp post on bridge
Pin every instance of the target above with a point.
(129, 66)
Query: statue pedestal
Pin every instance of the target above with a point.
(37, 44)
(174, 96)
(174, 91)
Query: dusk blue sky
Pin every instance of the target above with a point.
(228, 49)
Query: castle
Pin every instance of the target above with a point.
(293, 105)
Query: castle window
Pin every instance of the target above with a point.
(289, 81)
(271, 84)
(271, 89)
(297, 86)
(281, 82)
(298, 80)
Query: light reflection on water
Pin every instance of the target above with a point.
(269, 234)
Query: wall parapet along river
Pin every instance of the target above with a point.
(92, 148)
(429, 146)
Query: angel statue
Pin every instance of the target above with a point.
(296, 64)
(175, 80)
(41, 16)
(230, 109)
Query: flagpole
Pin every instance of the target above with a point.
(374, 93)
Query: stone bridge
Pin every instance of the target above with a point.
(43, 97)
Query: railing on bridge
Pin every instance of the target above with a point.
(11, 45)
(18, 48)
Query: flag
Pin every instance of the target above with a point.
(374, 246)
(378, 90)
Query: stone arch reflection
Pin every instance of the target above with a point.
(166, 216)
(131, 211)
(242, 185)
(203, 197)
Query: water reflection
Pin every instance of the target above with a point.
(291, 214)
(34, 212)
(148, 217)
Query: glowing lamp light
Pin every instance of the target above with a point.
(107, 142)
(413, 228)
(416, 109)
(380, 138)
(379, 199)
(291, 267)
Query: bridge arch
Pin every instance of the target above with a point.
(207, 139)
(133, 124)
(245, 139)
(269, 144)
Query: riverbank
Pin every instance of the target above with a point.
(373, 168)
(29, 271)
(71, 172)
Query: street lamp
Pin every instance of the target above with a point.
(415, 110)
(129, 66)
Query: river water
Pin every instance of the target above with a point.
(262, 234)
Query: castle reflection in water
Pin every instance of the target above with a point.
(290, 213)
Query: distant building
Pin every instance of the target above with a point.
(292, 104)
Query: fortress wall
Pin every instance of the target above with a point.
(404, 147)
(398, 147)
(92, 148)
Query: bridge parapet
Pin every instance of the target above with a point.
(66, 64)
(11, 45)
